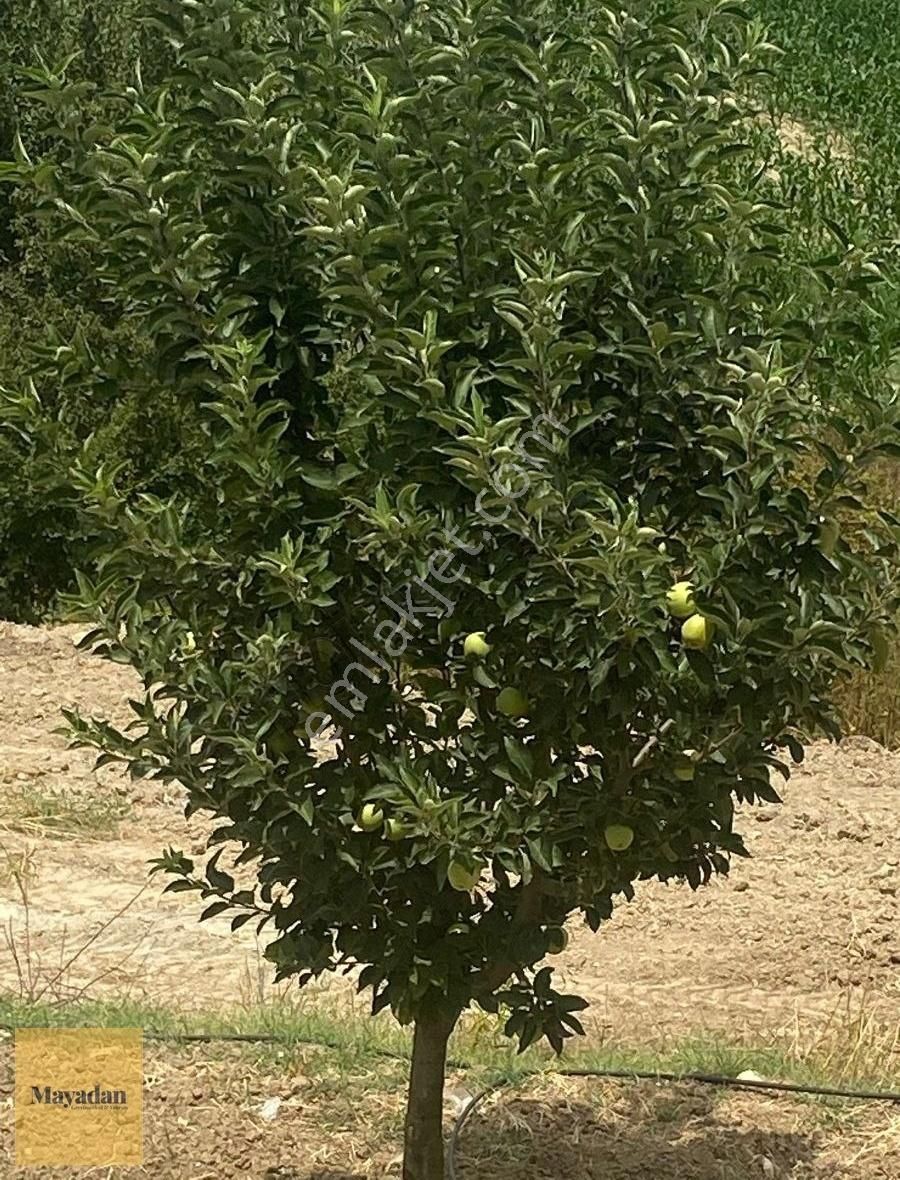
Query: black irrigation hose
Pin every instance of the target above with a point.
(273, 1039)
(268, 1039)
(207, 1038)
(706, 1079)
(630, 1075)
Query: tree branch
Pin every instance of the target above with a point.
(527, 912)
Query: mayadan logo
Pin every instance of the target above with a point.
(78, 1099)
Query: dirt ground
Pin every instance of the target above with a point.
(204, 1120)
(805, 929)
(810, 920)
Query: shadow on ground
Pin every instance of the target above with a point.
(278, 1174)
(641, 1134)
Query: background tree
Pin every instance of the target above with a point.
(49, 295)
(481, 327)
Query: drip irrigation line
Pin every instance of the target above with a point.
(706, 1079)
(262, 1038)
(715, 1079)
(274, 1039)
(723, 1081)
(628, 1075)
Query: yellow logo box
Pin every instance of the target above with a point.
(79, 1096)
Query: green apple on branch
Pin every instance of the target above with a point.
(444, 372)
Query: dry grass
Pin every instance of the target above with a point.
(340, 1105)
(854, 1047)
(54, 811)
(41, 975)
(581, 1129)
(17, 865)
(869, 703)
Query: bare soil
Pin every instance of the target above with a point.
(805, 929)
(809, 920)
(204, 1120)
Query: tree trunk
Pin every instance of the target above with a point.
(423, 1157)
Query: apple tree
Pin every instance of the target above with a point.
(504, 577)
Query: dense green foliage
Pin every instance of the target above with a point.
(840, 65)
(48, 295)
(839, 163)
(838, 71)
(487, 331)
(836, 89)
